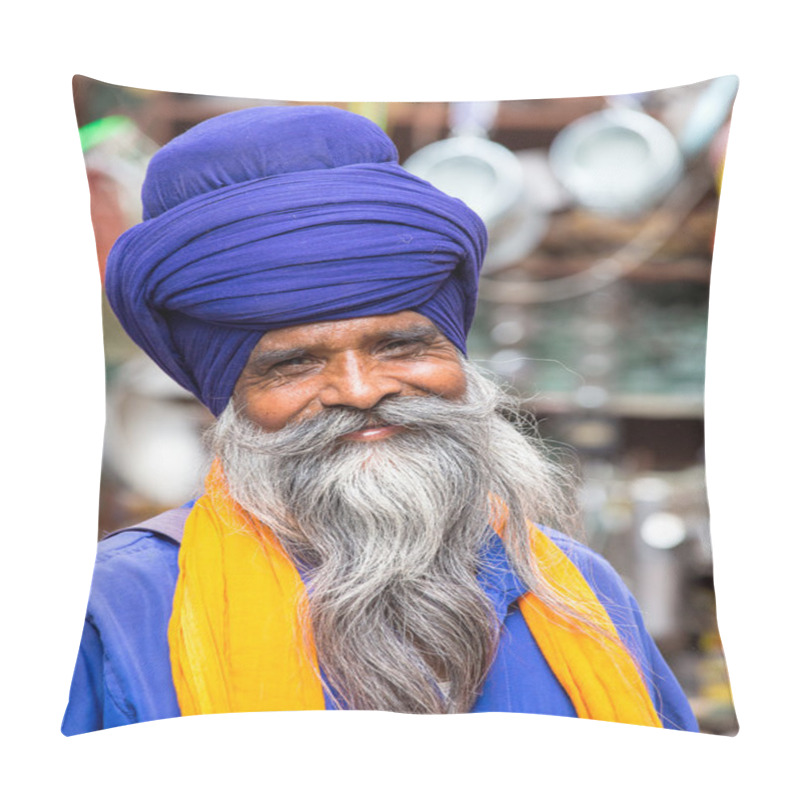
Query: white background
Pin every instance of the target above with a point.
(53, 384)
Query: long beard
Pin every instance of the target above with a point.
(391, 533)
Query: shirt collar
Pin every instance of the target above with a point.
(497, 578)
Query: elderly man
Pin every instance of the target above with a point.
(372, 532)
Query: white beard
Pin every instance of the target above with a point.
(392, 532)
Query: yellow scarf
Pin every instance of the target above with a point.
(236, 642)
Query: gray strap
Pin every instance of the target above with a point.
(168, 524)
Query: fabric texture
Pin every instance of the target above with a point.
(271, 217)
(123, 673)
(235, 637)
(237, 643)
(602, 680)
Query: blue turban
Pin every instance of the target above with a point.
(277, 216)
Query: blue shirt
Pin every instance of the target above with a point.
(123, 672)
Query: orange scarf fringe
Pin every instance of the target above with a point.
(236, 642)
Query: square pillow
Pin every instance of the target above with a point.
(592, 308)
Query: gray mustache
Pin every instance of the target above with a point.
(325, 428)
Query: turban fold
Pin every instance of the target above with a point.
(277, 216)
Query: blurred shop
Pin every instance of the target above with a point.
(593, 306)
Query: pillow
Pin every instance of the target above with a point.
(592, 307)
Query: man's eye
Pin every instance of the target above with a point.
(403, 347)
(290, 365)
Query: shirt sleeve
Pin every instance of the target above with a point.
(666, 693)
(85, 708)
(668, 697)
(95, 700)
(122, 673)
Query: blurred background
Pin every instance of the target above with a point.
(593, 306)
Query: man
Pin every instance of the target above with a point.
(371, 533)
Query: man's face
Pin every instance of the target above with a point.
(294, 373)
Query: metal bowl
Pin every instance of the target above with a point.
(617, 161)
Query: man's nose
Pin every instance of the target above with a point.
(357, 382)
